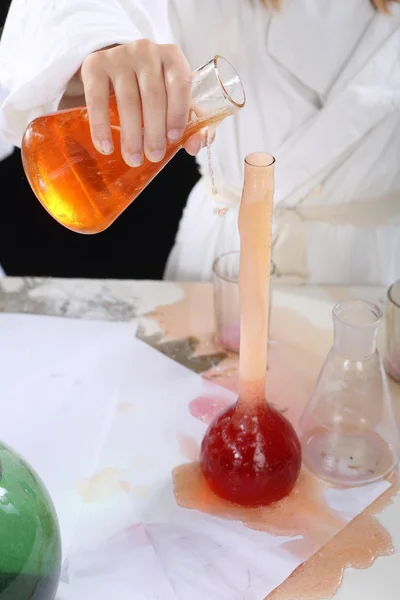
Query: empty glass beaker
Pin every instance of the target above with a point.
(225, 278)
(86, 191)
(348, 430)
(392, 358)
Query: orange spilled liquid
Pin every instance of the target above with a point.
(357, 546)
(303, 512)
(82, 189)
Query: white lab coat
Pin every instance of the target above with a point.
(322, 79)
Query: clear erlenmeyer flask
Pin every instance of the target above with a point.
(348, 430)
(86, 191)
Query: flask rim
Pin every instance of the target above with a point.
(218, 59)
(339, 311)
(260, 159)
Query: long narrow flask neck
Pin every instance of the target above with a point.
(255, 219)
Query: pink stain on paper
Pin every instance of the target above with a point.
(206, 408)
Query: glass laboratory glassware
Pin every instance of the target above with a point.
(30, 543)
(86, 191)
(348, 430)
(226, 299)
(392, 356)
(250, 454)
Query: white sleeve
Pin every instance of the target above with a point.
(6, 149)
(44, 43)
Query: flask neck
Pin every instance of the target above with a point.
(356, 327)
(217, 89)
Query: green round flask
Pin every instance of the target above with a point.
(30, 542)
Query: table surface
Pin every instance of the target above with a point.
(177, 319)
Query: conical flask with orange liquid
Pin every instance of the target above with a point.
(86, 191)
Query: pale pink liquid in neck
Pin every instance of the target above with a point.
(255, 227)
(269, 450)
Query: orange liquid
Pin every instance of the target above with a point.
(82, 189)
(358, 545)
(303, 512)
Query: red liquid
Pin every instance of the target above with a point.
(251, 458)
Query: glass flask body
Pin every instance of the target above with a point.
(250, 454)
(86, 191)
(348, 430)
(30, 543)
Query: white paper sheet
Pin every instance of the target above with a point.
(103, 418)
(59, 382)
(199, 556)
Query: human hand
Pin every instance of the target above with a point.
(152, 85)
